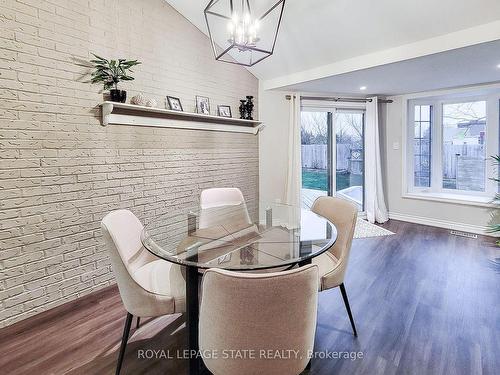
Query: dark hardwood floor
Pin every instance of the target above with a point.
(424, 302)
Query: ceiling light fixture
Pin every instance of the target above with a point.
(362, 88)
(241, 33)
(498, 66)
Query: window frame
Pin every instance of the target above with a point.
(411, 142)
(436, 190)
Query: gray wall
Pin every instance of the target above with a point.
(61, 171)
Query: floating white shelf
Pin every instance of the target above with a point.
(130, 114)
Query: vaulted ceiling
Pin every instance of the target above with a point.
(325, 38)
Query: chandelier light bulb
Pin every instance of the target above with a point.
(243, 30)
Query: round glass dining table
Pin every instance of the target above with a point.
(228, 237)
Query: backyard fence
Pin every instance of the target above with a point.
(462, 156)
(315, 157)
(466, 160)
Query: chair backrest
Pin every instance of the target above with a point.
(122, 233)
(343, 214)
(219, 205)
(258, 312)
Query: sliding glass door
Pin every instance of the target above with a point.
(332, 155)
(349, 165)
(315, 132)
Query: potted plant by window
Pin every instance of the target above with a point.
(110, 73)
(494, 226)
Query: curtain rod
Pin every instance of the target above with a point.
(339, 99)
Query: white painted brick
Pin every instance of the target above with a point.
(24, 259)
(24, 278)
(4, 294)
(9, 253)
(44, 263)
(23, 297)
(43, 282)
(61, 171)
(44, 300)
(42, 245)
(9, 273)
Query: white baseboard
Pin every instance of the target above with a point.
(478, 229)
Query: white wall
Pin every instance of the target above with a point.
(450, 215)
(273, 146)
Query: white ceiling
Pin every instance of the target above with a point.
(321, 32)
(460, 67)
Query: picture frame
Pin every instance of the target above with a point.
(174, 104)
(202, 105)
(224, 111)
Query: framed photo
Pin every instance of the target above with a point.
(224, 111)
(202, 105)
(174, 103)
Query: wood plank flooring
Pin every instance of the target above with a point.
(424, 302)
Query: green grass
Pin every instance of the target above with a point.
(318, 179)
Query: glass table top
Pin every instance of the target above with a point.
(226, 236)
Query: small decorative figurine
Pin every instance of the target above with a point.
(243, 109)
(249, 107)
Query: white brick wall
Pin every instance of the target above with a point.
(61, 171)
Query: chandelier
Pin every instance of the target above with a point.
(243, 33)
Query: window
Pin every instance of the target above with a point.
(449, 143)
(349, 158)
(422, 146)
(464, 153)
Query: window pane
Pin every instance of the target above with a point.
(349, 157)
(425, 129)
(315, 158)
(425, 113)
(464, 146)
(417, 130)
(422, 146)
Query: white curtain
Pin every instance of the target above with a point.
(294, 170)
(376, 210)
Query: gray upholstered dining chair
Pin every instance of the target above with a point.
(258, 312)
(333, 263)
(148, 286)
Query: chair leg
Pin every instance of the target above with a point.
(138, 323)
(126, 331)
(308, 366)
(348, 308)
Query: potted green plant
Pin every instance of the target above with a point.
(494, 226)
(110, 73)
